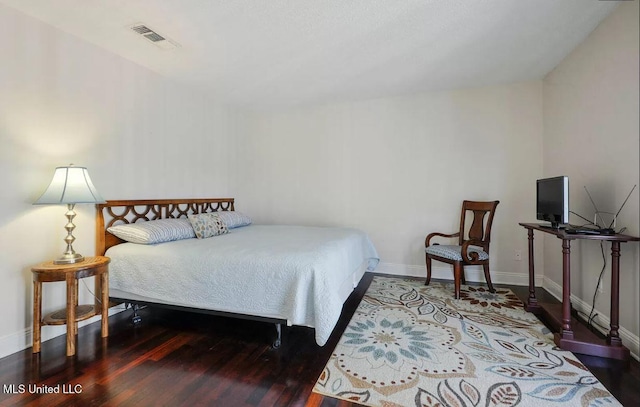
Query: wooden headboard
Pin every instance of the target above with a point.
(131, 211)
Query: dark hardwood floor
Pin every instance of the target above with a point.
(175, 358)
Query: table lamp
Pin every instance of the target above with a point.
(70, 185)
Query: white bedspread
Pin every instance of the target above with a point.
(288, 272)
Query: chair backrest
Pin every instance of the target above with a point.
(479, 228)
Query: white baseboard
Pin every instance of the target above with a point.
(473, 274)
(629, 340)
(23, 339)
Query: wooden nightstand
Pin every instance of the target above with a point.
(71, 273)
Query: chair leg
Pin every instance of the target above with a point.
(462, 277)
(457, 272)
(487, 277)
(428, 261)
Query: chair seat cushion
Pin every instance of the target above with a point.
(454, 253)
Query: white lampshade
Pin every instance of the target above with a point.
(70, 185)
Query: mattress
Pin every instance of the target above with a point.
(300, 274)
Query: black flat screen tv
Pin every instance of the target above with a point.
(552, 200)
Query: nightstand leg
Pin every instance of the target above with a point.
(37, 315)
(71, 314)
(104, 279)
(75, 299)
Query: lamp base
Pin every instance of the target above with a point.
(69, 258)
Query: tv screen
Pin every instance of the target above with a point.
(552, 200)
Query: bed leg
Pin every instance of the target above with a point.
(135, 318)
(278, 341)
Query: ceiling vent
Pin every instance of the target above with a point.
(158, 40)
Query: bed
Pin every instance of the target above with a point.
(292, 275)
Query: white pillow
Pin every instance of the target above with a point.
(234, 219)
(154, 231)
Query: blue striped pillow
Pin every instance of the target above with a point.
(154, 231)
(234, 219)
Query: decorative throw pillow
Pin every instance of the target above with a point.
(154, 231)
(208, 225)
(234, 219)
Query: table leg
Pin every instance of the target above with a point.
(75, 299)
(532, 302)
(614, 337)
(71, 314)
(104, 280)
(37, 315)
(567, 332)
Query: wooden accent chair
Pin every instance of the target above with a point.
(473, 250)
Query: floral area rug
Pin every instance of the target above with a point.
(414, 345)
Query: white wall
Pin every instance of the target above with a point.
(591, 105)
(63, 100)
(399, 168)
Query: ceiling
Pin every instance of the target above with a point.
(260, 54)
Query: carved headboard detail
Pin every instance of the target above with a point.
(141, 210)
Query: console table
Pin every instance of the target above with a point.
(581, 340)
